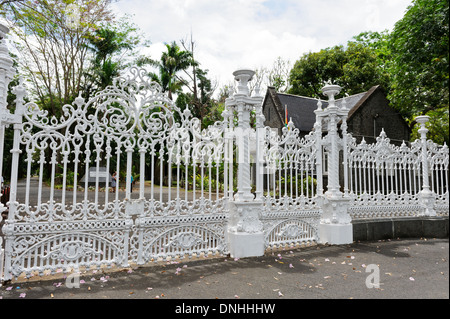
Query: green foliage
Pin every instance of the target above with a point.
(53, 53)
(420, 52)
(420, 73)
(415, 57)
(112, 46)
(204, 107)
(305, 186)
(313, 69)
(354, 67)
(70, 176)
(171, 62)
(438, 130)
(199, 181)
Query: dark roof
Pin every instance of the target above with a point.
(301, 109)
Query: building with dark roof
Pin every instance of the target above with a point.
(369, 114)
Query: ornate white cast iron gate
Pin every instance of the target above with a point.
(88, 224)
(291, 212)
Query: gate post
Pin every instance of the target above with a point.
(6, 118)
(335, 224)
(245, 231)
(6, 74)
(426, 196)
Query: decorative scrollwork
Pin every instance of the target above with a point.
(71, 251)
(185, 240)
(291, 231)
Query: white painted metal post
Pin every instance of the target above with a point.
(6, 74)
(426, 196)
(345, 149)
(230, 147)
(319, 153)
(20, 93)
(228, 139)
(16, 120)
(259, 145)
(243, 104)
(245, 231)
(335, 225)
(332, 115)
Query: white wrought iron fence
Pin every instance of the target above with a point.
(290, 212)
(385, 180)
(127, 177)
(438, 159)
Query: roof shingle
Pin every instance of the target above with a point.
(301, 109)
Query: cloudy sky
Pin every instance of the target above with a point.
(230, 34)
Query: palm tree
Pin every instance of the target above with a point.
(108, 45)
(170, 63)
(105, 43)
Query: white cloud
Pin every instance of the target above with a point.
(253, 33)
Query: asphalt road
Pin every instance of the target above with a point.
(407, 269)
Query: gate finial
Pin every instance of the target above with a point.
(243, 76)
(331, 90)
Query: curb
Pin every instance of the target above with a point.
(390, 228)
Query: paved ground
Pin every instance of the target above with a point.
(408, 269)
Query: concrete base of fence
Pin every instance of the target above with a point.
(336, 234)
(243, 244)
(245, 234)
(376, 229)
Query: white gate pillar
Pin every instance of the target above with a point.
(335, 225)
(7, 118)
(245, 231)
(6, 74)
(426, 196)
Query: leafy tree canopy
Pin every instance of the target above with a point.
(354, 67)
(420, 72)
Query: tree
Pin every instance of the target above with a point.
(199, 88)
(54, 53)
(171, 62)
(420, 56)
(198, 98)
(179, 72)
(58, 54)
(378, 42)
(113, 47)
(278, 75)
(314, 68)
(353, 67)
